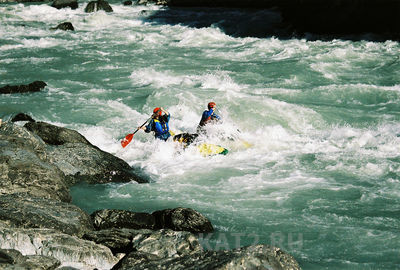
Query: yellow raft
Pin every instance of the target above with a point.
(208, 149)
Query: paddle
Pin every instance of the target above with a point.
(128, 138)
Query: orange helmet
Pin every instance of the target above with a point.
(211, 105)
(157, 111)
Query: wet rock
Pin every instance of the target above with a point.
(117, 240)
(182, 219)
(112, 218)
(71, 251)
(97, 5)
(64, 26)
(19, 210)
(22, 117)
(35, 86)
(74, 155)
(253, 257)
(59, 4)
(127, 3)
(13, 259)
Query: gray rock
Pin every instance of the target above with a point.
(182, 219)
(35, 86)
(71, 251)
(59, 4)
(24, 166)
(113, 218)
(78, 158)
(117, 240)
(13, 259)
(19, 210)
(97, 5)
(253, 257)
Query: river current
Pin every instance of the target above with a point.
(312, 126)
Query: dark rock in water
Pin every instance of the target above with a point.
(22, 117)
(97, 5)
(64, 26)
(13, 259)
(55, 135)
(182, 219)
(59, 4)
(79, 159)
(253, 257)
(113, 218)
(25, 166)
(24, 211)
(127, 3)
(35, 86)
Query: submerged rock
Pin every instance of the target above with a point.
(59, 4)
(19, 210)
(97, 5)
(182, 219)
(35, 86)
(22, 117)
(64, 26)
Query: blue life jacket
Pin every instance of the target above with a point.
(208, 116)
(160, 127)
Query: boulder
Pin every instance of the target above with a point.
(35, 86)
(74, 155)
(64, 26)
(25, 167)
(127, 3)
(117, 240)
(113, 218)
(97, 5)
(182, 219)
(20, 210)
(59, 4)
(252, 257)
(13, 259)
(22, 117)
(71, 251)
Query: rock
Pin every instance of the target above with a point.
(71, 251)
(97, 5)
(127, 3)
(59, 4)
(78, 158)
(182, 219)
(19, 210)
(112, 218)
(35, 86)
(253, 257)
(25, 167)
(22, 117)
(64, 26)
(15, 260)
(117, 240)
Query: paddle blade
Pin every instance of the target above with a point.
(128, 138)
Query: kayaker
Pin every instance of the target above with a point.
(208, 116)
(159, 124)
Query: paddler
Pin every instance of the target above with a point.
(159, 124)
(208, 116)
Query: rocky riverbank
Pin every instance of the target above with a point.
(41, 229)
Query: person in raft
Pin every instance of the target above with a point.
(159, 124)
(208, 116)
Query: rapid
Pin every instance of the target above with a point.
(312, 126)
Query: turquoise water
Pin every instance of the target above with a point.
(321, 179)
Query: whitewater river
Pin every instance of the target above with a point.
(312, 127)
